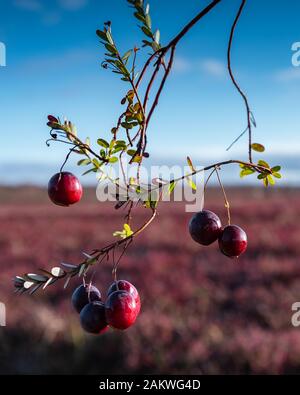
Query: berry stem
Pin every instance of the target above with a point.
(227, 205)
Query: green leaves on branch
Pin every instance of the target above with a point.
(134, 113)
(142, 14)
(113, 60)
(266, 172)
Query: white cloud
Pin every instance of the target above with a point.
(212, 67)
(73, 5)
(288, 75)
(29, 5)
(182, 65)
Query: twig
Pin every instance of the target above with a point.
(243, 95)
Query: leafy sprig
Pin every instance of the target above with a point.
(142, 14)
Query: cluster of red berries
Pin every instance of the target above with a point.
(205, 228)
(120, 310)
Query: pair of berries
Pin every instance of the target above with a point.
(120, 310)
(205, 228)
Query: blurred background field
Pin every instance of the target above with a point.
(201, 312)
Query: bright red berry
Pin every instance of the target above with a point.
(123, 285)
(205, 227)
(92, 318)
(233, 241)
(64, 189)
(83, 295)
(121, 310)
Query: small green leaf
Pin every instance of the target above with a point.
(120, 143)
(262, 176)
(128, 230)
(131, 152)
(102, 153)
(172, 186)
(191, 183)
(137, 159)
(266, 182)
(276, 169)
(246, 172)
(139, 17)
(96, 163)
(83, 162)
(109, 37)
(113, 159)
(147, 31)
(271, 180)
(263, 163)
(127, 125)
(148, 21)
(257, 147)
(102, 35)
(111, 48)
(117, 149)
(277, 175)
(103, 143)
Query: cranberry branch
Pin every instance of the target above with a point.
(128, 142)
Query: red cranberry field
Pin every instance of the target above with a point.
(201, 312)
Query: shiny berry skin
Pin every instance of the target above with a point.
(233, 241)
(205, 227)
(84, 295)
(121, 310)
(92, 318)
(123, 285)
(64, 189)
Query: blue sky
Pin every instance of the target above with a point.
(53, 67)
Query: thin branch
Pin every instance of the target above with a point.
(192, 23)
(227, 205)
(169, 67)
(243, 95)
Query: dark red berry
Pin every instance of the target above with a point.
(205, 227)
(123, 285)
(84, 295)
(92, 318)
(233, 241)
(121, 310)
(64, 189)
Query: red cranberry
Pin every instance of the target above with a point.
(121, 310)
(123, 285)
(205, 227)
(64, 189)
(84, 295)
(92, 318)
(233, 241)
